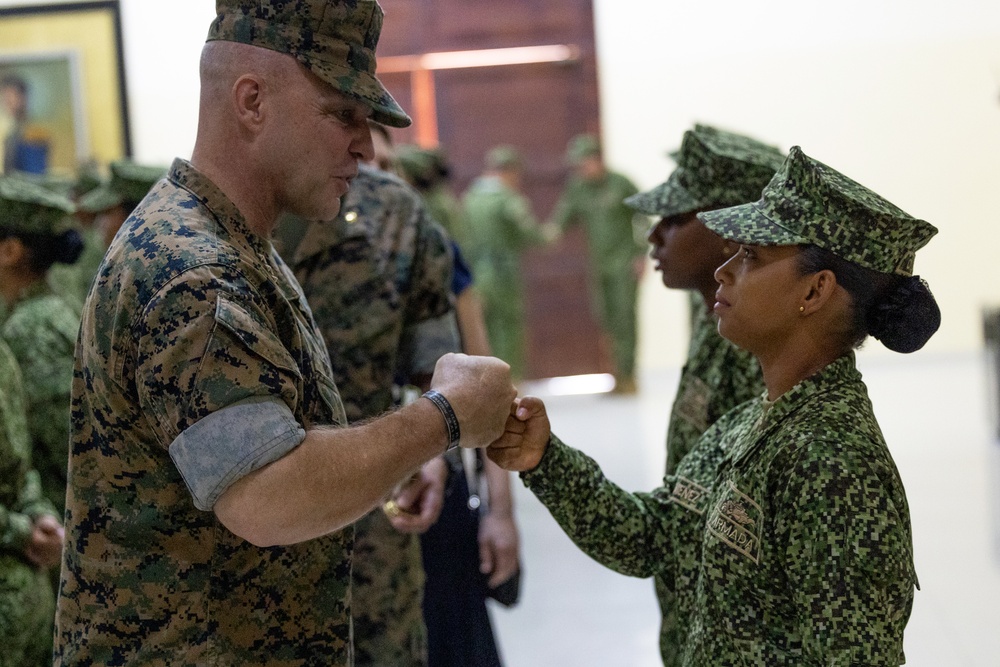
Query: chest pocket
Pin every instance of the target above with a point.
(737, 521)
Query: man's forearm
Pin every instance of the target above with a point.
(335, 476)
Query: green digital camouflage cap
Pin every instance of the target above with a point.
(129, 183)
(715, 168)
(335, 40)
(30, 208)
(415, 162)
(807, 202)
(580, 147)
(503, 157)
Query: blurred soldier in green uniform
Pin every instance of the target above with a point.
(715, 169)
(500, 227)
(72, 281)
(427, 171)
(213, 479)
(373, 276)
(34, 415)
(112, 202)
(594, 197)
(40, 327)
(30, 535)
(785, 529)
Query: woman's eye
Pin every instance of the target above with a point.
(747, 252)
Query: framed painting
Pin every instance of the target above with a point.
(63, 101)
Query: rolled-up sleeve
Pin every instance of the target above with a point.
(231, 443)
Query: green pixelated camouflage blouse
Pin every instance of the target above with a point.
(716, 378)
(785, 531)
(41, 331)
(191, 313)
(371, 276)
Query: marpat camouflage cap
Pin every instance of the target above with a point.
(582, 146)
(335, 40)
(503, 157)
(30, 208)
(715, 168)
(129, 183)
(807, 202)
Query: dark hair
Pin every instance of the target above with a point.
(898, 311)
(14, 81)
(44, 250)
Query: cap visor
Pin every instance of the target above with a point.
(665, 200)
(99, 199)
(747, 224)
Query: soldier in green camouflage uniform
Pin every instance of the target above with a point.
(30, 535)
(426, 170)
(715, 169)
(211, 486)
(500, 227)
(372, 276)
(40, 327)
(594, 196)
(786, 529)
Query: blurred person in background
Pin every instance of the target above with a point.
(501, 226)
(594, 197)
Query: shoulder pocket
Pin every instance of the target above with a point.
(255, 332)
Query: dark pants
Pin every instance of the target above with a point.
(458, 628)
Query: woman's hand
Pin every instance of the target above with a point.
(525, 437)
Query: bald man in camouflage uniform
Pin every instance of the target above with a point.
(715, 169)
(786, 529)
(30, 535)
(373, 276)
(594, 197)
(212, 478)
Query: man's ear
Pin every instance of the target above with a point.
(248, 101)
(821, 288)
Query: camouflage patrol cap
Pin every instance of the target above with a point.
(129, 183)
(582, 146)
(807, 202)
(715, 168)
(30, 208)
(334, 39)
(503, 157)
(415, 162)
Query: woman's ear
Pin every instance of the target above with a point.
(821, 288)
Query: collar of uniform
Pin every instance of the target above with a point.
(837, 373)
(184, 175)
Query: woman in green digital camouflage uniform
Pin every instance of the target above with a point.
(785, 530)
(40, 326)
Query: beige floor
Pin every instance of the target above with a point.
(934, 412)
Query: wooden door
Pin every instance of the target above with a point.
(536, 106)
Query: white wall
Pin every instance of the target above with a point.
(902, 95)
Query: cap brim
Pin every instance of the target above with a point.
(665, 200)
(99, 199)
(363, 87)
(747, 224)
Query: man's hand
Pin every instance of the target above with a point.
(480, 392)
(498, 547)
(525, 436)
(418, 503)
(45, 545)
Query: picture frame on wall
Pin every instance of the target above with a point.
(63, 101)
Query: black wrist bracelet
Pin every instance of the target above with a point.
(450, 420)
